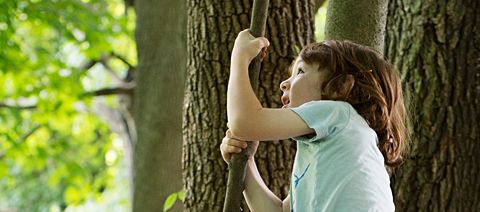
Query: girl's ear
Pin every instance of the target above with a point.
(339, 87)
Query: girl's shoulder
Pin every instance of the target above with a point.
(326, 117)
(325, 107)
(326, 104)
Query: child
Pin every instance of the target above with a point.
(343, 105)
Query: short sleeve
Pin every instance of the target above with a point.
(325, 117)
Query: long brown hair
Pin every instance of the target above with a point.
(363, 78)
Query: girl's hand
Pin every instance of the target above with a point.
(231, 145)
(247, 47)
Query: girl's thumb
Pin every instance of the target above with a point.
(262, 42)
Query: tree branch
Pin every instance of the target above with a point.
(89, 64)
(17, 107)
(111, 91)
(104, 59)
(111, 71)
(28, 134)
(238, 162)
(130, 66)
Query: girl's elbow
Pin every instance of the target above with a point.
(241, 131)
(237, 131)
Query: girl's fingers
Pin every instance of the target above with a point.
(227, 151)
(230, 149)
(231, 146)
(262, 42)
(225, 155)
(234, 142)
(245, 31)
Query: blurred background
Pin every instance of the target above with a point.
(119, 105)
(66, 70)
(61, 62)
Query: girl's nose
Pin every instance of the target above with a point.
(285, 85)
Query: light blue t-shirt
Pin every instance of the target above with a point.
(340, 168)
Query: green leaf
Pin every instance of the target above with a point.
(297, 50)
(181, 195)
(170, 201)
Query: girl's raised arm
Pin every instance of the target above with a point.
(247, 119)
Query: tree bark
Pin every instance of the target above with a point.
(360, 21)
(436, 47)
(212, 28)
(160, 36)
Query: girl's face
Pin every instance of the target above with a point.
(304, 85)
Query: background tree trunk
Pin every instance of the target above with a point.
(160, 36)
(360, 21)
(436, 47)
(318, 4)
(212, 28)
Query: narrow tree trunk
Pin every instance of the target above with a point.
(360, 21)
(212, 28)
(436, 46)
(238, 163)
(160, 37)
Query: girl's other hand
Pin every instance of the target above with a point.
(231, 145)
(247, 47)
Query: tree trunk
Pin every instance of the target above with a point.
(212, 28)
(160, 36)
(436, 47)
(318, 4)
(360, 21)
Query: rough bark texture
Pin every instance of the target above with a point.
(436, 47)
(361, 21)
(160, 36)
(212, 28)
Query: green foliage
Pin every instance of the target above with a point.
(53, 149)
(172, 198)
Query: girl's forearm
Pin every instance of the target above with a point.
(242, 104)
(257, 194)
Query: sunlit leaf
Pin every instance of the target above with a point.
(181, 195)
(169, 201)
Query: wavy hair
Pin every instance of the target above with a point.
(363, 78)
